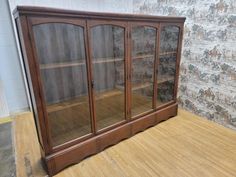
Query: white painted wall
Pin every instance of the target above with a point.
(4, 111)
(12, 82)
(121, 6)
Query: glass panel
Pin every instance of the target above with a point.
(143, 57)
(61, 53)
(167, 64)
(108, 74)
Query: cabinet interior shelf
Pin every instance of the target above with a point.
(81, 100)
(160, 80)
(97, 61)
(142, 57)
(61, 65)
(168, 53)
(68, 64)
(101, 95)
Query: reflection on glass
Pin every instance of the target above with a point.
(167, 64)
(108, 74)
(61, 53)
(143, 57)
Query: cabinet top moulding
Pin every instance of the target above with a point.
(45, 11)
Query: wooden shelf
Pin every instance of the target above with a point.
(101, 95)
(147, 84)
(164, 79)
(141, 86)
(135, 87)
(70, 64)
(81, 100)
(168, 53)
(106, 60)
(66, 104)
(61, 65)
(105, 94)
(152, 56)
(97, 61)
(142, 56)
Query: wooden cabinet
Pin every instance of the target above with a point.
(97, 78)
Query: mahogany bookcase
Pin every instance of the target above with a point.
(96, 78)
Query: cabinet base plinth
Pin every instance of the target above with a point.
(74, 154)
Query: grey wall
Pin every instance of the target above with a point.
(10, 68)
(208, 66)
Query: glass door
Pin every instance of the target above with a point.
(143, 54)
(108, 72)
(166, 70)
(60, 50)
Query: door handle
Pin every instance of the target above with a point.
(92, 83)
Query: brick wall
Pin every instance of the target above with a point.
(208, 67)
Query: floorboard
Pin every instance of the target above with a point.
(183, 146)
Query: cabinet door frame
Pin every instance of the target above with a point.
(123, 24)
(155, 25)
(178, 56)
(32, 21)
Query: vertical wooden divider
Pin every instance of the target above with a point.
(157, 63)
(128, 76)
(155, 67)
(90, 77)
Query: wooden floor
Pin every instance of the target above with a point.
(183, 146)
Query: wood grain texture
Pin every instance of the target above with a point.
(183, 146)
(27, 147)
